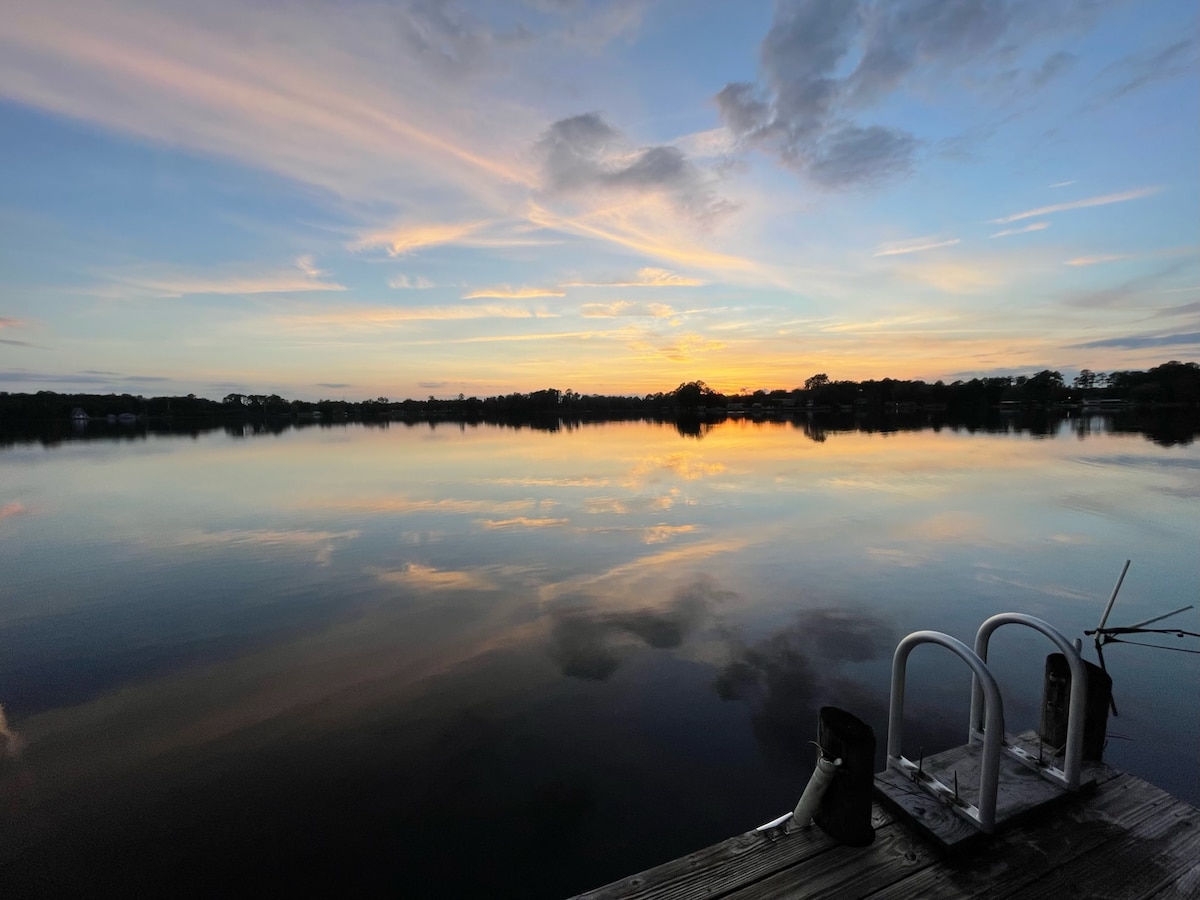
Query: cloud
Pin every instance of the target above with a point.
(161, 282)
(716, 142)
(1104, 200)
(1059, 184)
(584, 154)
(1097, 260)
(646, 277)
(918, 245)
(1053, 66)
(354, 104)
(1142, 341)
(334, 384)
(823, 63)
(16, 343)
(405, 283)
(626, 308)
(507, 292)
(19, 375)
(388, 316)
(405, 239)
(1138, 70)
(1032, 226)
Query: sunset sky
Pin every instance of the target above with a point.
(363, 198)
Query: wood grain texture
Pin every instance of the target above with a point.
(1124, 840)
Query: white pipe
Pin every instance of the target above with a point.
(815, 790)
(993, 728)
(1076, 708)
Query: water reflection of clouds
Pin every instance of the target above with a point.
(651, 566)
(588, 643)
(323, 542)
(12, 510)
(550, 482)
(432, 579)
(949, 526)
(10, 741)
(688, 466)
(448, 506)
(522, 522)
(1049, 590)
(789, 674)
(630, 505)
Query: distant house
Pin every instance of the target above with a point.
(78, 415)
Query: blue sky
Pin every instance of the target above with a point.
(412, 198)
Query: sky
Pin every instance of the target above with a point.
(412, 198)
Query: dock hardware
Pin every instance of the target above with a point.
(986, 722)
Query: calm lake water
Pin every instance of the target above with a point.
(458, 660)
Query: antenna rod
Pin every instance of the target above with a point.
(1113, 598)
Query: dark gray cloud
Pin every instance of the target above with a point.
(425, 384)
(586, 153)
(17, 343)
(1137, 70)
(90, 377)
(806, 107)
(1055, 65)
(1140, 341)
(1184, 309)
(333, 384)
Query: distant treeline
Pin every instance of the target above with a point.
(1170, 384)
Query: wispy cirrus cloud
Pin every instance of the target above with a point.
(1079, 261)
(1087, 202)
(380, 316)
(410, 283)
(646, 277)
(917, 245)
(1032, 226)
(1142, 341)
(507, 292)
(626, 308)
(159, 281)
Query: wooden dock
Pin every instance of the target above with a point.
(1122, 839)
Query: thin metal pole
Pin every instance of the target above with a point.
(1113, 598)
(1173, 612)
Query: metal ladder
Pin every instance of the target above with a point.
(986, 721)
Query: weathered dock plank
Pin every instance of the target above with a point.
(895, 854)
(725, 867)
(1124, 840)
(1011, 862)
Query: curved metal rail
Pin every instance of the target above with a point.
(1069, 775)
(983, 813)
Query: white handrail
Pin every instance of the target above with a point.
(1073, 761)
(993, 732)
